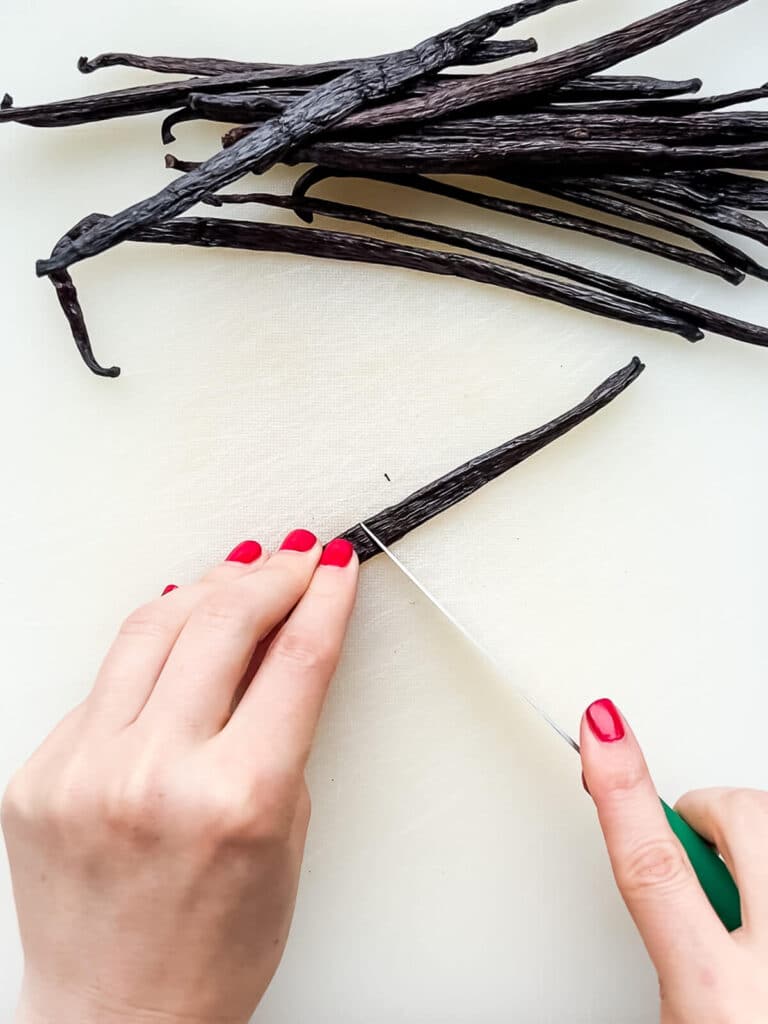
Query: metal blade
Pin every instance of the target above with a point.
(488, 657)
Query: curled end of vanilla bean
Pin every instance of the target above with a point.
(314, 176)
(7, 102)
(70, 304)
(170, 122)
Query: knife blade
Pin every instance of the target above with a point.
(711, 870)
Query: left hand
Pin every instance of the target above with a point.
(156, 837)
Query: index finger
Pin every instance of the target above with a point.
(276, 720)
(655, 877)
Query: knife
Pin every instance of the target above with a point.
(711, 871)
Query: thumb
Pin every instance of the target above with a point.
(651, 868)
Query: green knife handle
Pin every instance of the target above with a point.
(714, 876)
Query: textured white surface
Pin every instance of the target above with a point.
(454, 871)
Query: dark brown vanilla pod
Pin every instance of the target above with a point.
(246, 107)
(313, 114)
(143, 99)
(166, 95)
(665, 198)
(397, 521)
(486, 53)
(644, 213)
(523, 127)
(425, 155)
(541, 76)
(622, 87)
(276, 238)
(70, 304)
(680, 107)
(544, 215)
(729, 188)
(700, 318)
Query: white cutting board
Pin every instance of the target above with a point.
(455, 871)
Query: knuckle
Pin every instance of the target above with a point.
(146, 623)
(657, 864)
(624, 779)
(227, 612)
(237, 818)
(15, 801)
(304, 652)
(135, 806)
(743, 805)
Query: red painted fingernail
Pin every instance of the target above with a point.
(246, 553)
(605, 721)
(338, 553)
(169, 589)
(299, 540)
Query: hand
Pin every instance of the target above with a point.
(155, 838)
(706, 975)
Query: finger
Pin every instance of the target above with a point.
(736, 822)
(280, 711)
(135, 660)
(651, 868)
(137, 656)
(198, 682)
(247, 556)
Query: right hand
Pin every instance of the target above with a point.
(706, 975)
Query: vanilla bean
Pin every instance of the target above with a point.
(254, 236)
(619, 87)
(541, 76)
(699, 317)
(622, 207)
(397, 521)
(238, 107)
(143, 99)
(315, 113)
(552, 218)
(486, 53)
(258, 237)
(170, 122)
(679, 107)
(166, 95)
(68, 300)
(729, 189)
(424, 155)
(664, 198)
(185, 166)
(673, 185)
(242, 107)
(715, 129)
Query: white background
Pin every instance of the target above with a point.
(455, 871)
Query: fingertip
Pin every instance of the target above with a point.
(300, 541)
(338, 554)
(246, 553)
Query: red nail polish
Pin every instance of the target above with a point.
(338, 553)
(605, 721)
(169, 589)
(299, 540)
(246, 553)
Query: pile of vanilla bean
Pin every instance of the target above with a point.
(656, 155)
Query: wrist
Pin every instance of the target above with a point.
(61, 1005)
